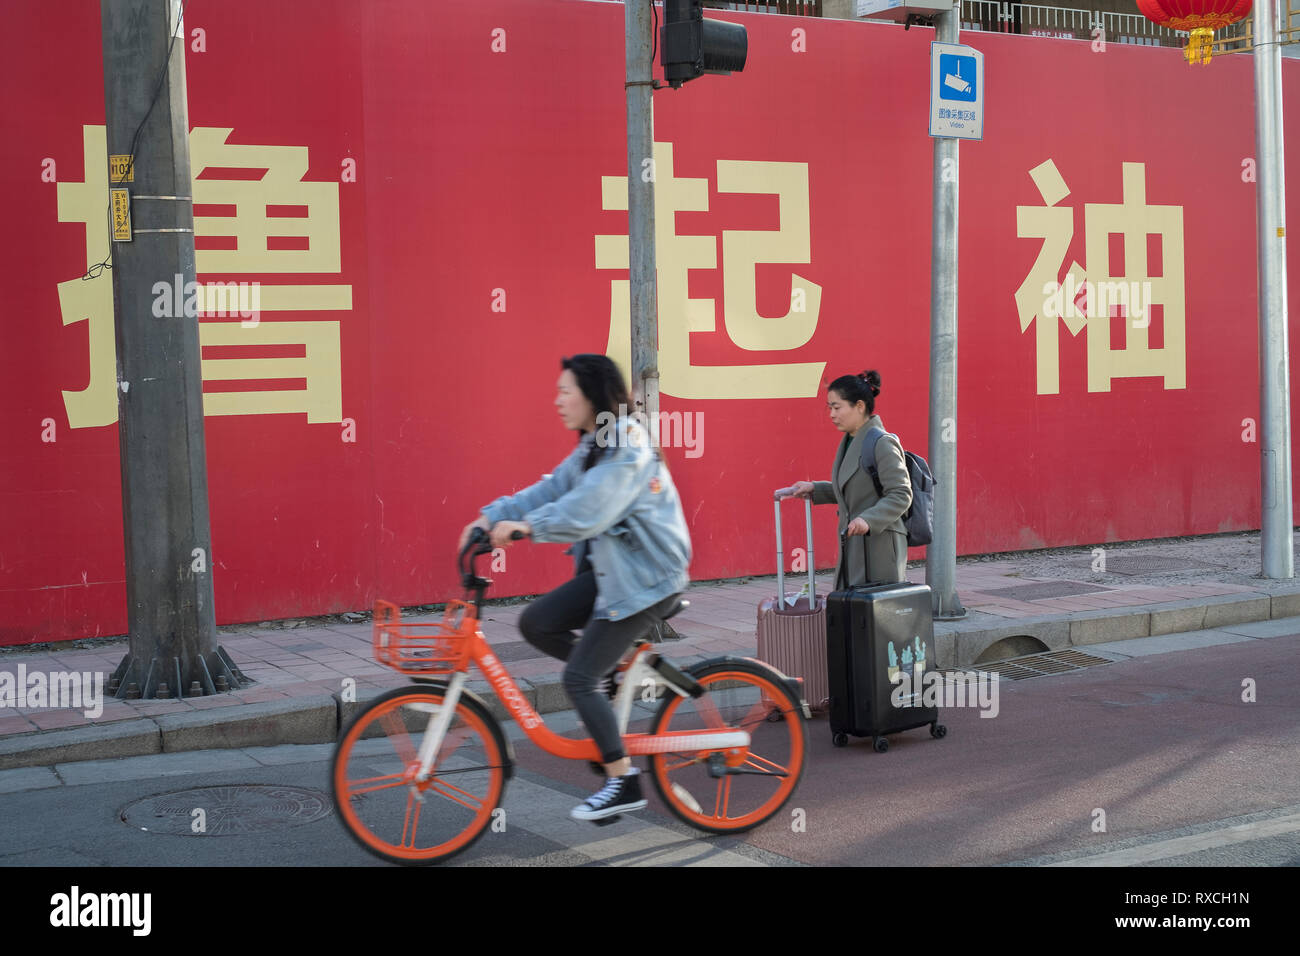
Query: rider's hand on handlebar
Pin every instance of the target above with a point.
(800, 489)
(482, 522)
(504, 533)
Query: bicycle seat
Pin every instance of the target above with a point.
(676, 607)
(680, 605)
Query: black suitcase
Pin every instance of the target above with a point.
(876, 634)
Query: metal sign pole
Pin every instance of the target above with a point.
(1276, 534)
(941, 554)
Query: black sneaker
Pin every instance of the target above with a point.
(619, 795)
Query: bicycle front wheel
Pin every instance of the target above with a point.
(386, 809)
(707, 789)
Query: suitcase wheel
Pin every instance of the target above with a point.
(881, 744)
(840, 740)
(938, 730)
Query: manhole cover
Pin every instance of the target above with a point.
(1146, 564)
(1042, 665)
(1045, 589)
(227, 811)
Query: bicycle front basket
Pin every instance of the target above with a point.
(424, 649)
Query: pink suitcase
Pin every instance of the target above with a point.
(792, 637)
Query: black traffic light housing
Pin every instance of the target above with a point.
(691, 46)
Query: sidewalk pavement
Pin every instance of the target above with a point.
(1019, 604)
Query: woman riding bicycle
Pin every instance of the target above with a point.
(613, 497)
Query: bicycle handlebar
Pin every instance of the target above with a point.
(478, 544)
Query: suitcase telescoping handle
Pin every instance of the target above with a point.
(778, 495)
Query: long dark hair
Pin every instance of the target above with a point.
(602, 384)
(863, 387)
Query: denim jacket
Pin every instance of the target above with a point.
(625, 507)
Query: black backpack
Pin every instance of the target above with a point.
(919, 517)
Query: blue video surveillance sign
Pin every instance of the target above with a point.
(956, 91)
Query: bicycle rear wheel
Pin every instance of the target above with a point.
(739, 694)
(375, 793)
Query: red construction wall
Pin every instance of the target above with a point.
(466, 154)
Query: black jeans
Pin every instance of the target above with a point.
(548, 624)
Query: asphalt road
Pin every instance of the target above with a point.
(1161, 749)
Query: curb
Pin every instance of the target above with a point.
(124, 738)
(960, 643)
(320, 718)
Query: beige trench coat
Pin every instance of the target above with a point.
(881, 555)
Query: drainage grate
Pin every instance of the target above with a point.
(227, 811)
(1146, 564)
(1042, 665)
(1042, 590)
(1012, 672)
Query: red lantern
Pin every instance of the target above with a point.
(1200, 18)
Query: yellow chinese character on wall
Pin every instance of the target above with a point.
(91, 300)
(1126, 289)
(742, 250)
(278, 223)
(1135, 220)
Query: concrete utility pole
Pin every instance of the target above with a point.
(941, 554)
(641, 209)
(644, 289)
(1276, 534)
(160, 401)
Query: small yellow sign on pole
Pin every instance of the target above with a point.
(121, 169)
(121, 202)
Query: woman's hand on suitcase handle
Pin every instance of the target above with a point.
(857, 526)
(800, 489)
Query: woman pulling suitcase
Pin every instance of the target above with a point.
(873, 691)
(864, 514)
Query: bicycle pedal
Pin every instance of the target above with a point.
(606, 821)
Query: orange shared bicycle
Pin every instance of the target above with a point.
(420, 770)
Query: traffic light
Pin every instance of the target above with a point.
(691, 46)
